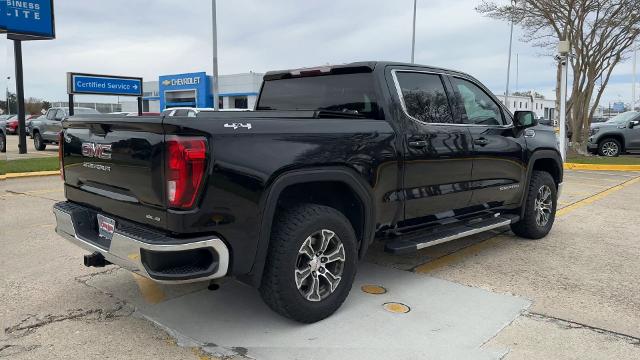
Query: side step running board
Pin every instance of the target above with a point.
(420, 240)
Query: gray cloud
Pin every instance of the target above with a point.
(148, 38)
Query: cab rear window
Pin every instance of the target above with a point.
(348, 93)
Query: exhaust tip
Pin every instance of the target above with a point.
(95, 260)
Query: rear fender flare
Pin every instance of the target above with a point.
(269, 201)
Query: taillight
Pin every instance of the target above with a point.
(186, 165)
(60, 153)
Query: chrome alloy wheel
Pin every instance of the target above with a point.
(543, 205)
(610, 148)
(319, 265)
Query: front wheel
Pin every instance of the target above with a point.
(3, 143)
(540, 207)
(609, 148)
(311, 263)
(38, 142)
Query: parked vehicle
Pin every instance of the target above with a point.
(3, 133)
(29, 123)
(46, 130)
(619, 134)
(12, 125)
(289, 197)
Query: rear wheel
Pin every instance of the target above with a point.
(38, 142)
(311, 263)
(540, 207)
(609, 148)
(3, 142)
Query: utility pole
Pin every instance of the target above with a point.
(413, 37)
(517, 71)
(633, 90)
(506, 93)
(214, 28)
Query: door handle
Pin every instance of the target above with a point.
(418, 143)
(481, 141)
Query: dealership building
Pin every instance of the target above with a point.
(236, 91)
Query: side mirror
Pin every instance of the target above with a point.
(634, 123)
(524, 119)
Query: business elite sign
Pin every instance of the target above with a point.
(27, 20)
(103, 85)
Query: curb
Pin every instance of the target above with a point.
(601, 167)
(29, 174)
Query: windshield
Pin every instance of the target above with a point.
(622, 118)
(349, 93)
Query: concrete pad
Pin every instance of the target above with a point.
(446, 320)
(532, 338)
(585, 271)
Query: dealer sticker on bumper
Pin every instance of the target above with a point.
(106, 226)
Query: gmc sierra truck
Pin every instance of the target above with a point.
(289, 197)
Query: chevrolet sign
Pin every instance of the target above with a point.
(182, 81)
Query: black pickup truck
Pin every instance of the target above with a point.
(289, 197)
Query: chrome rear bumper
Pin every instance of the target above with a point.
(127, 252)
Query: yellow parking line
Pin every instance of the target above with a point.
(151, 292)
(479, 247)
(595, 197)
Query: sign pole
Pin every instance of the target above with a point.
(71, 105)
(22, 135)
(139, 105)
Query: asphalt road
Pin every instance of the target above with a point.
(573, 295)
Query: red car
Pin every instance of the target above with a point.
(12, 123)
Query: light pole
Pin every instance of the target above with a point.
(8, 106)
(413, 37)
(633, 89)
(564, 49)
(506, 93)
(214, 29)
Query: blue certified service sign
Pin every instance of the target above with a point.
(28, 19)
(104, 85)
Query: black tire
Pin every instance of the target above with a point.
(38, 142)
(609, 147)
(3, 143)
(529, 226)
(292, 228)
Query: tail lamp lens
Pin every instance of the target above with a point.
(186, 165)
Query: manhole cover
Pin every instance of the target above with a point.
(373, 289)
(397, 308)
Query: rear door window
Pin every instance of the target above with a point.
(348, 93)
(424, 97)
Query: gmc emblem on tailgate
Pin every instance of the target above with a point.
(100, 151)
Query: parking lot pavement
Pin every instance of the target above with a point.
(12, 149)
(581, 283)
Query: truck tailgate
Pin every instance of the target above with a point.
(114, 164)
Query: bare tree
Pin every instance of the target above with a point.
(601, 34)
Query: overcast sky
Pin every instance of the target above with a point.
(149, 38)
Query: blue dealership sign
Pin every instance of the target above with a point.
(27, 19)
(103, 85)
(190, 89)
